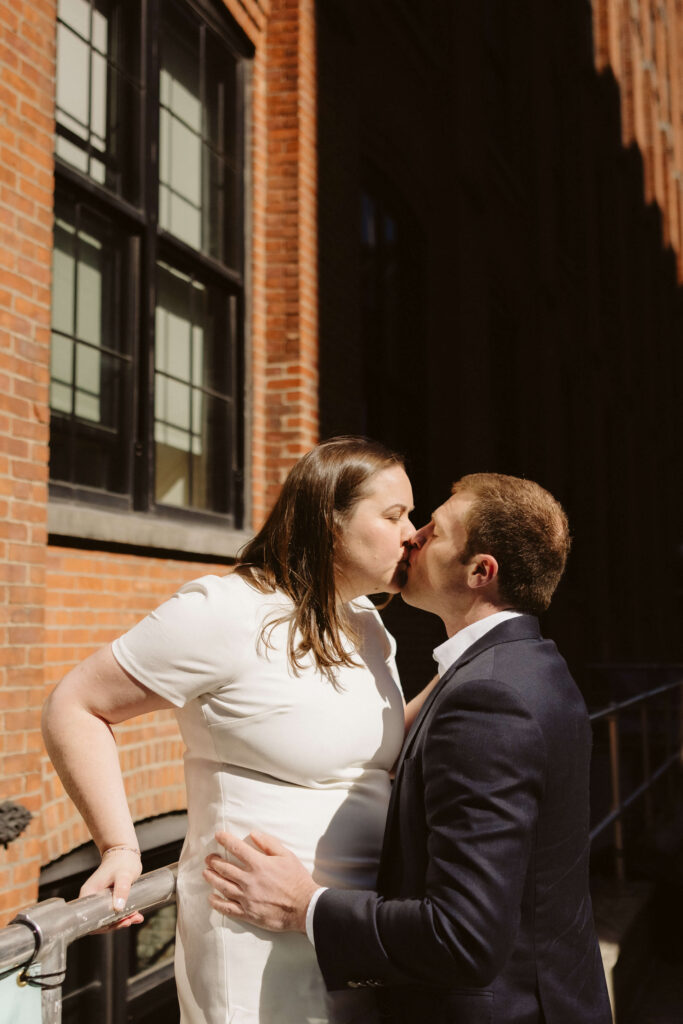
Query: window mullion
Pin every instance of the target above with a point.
(205, 171)
(149, 143)
(74, 347)
(190, 464)
(88, 145)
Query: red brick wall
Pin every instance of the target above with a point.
(645, 55)
(27, 32)
(283, 241)
(290, 217)
(91, 598)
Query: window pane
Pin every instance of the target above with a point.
(193, 401)
(222, 154)
(180, 125)
(90, 367)
(153, 943)
(97, 91)
(72, 74)
(199, 200)
(211, 462)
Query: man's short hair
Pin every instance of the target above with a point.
(525, 529)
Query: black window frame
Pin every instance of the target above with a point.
(147, 244)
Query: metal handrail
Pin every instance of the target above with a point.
(620, 805)
(630, 702)
(42, 933)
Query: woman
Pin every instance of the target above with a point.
(286, 690)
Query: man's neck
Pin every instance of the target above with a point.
(474, 613)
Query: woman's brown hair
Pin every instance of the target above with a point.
(294, 550)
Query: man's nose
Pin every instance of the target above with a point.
(419, 537)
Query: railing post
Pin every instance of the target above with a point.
(50, 958)
(41, 935)
(614, 762)
(647, 767)
(53, 962)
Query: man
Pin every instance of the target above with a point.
(482, 912)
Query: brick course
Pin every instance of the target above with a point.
(645, 55)
(27, 33)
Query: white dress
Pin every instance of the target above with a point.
(290, 755)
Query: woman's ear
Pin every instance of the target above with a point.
(483, 570)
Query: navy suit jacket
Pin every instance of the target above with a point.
(483, 914)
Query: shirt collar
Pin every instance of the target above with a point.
(447, 653)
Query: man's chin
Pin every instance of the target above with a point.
(410, 594)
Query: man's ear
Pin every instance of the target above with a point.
(482, 571)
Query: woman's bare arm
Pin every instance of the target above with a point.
(77, 721)
(413, 706)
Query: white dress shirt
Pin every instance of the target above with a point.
(445, 655)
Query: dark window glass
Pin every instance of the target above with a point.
(198, 159)
(193, 381)
(90, 368)
(98, 91)
(144, 408)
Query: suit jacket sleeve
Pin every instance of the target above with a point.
(482, 768)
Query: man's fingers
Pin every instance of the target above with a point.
(223, 884)
(268, 844)
(225, 868)
(237, 848)
(228, 907)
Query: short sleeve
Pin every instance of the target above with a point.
(192, 644)
(375, 631)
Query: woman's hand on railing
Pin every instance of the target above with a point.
(118, 870)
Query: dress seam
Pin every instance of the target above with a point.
(223, 930)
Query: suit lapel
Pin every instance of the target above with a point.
(523, 627)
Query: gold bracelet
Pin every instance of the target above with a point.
(128, 849)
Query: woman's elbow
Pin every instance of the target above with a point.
(60, 707)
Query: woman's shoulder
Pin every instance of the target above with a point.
(230, 588)
(368, 622)
(234, 597)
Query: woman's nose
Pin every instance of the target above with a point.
(408, 533)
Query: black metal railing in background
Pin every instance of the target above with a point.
(671, 741)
